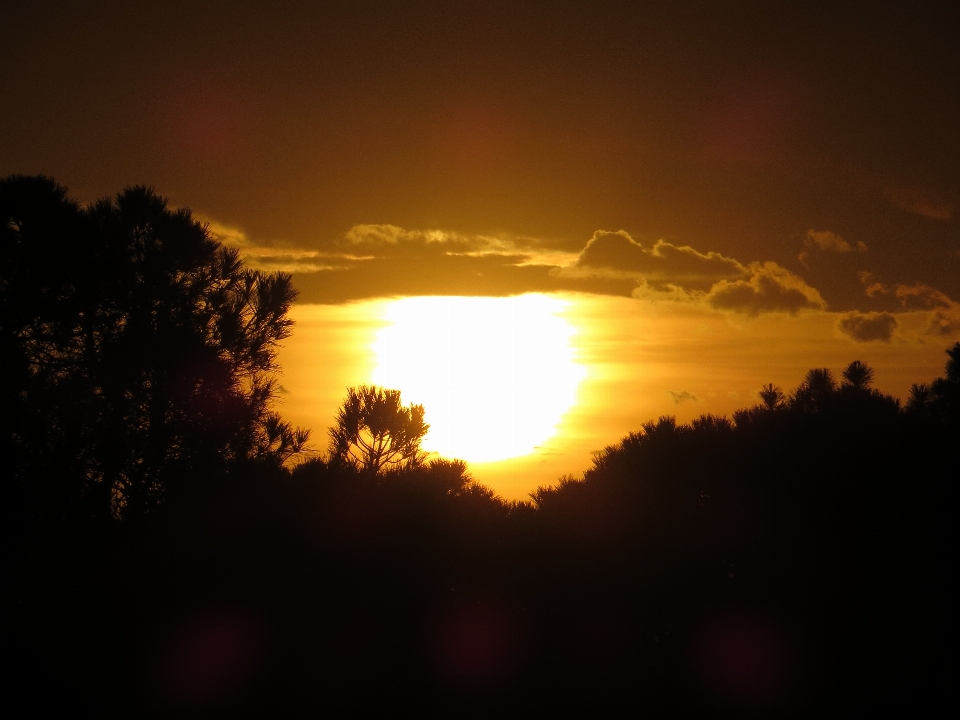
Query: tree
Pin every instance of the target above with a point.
(940, 400)
(141, 353)
(816, 391)
(858, 375)
(772, 396)
(374, 432)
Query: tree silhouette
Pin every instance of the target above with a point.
(141, 353)
(815, 392)
(939, 401)
(375, 432)
(772, 396)
(858, 375)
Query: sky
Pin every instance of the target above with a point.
(719, 195)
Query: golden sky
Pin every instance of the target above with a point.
(722, 195)
(640, 359)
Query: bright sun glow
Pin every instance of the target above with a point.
(495, 375)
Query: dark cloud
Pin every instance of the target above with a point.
(664, 263)
(682, 396)
(868, 327)
(770, 288)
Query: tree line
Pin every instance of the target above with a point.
(166, 554)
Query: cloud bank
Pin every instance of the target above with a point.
(383, 260)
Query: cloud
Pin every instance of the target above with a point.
(867, 327)
(944, 322)
(682, 396)
(824, 241)
(374, 241)
(377, 235)
(273, 260)
(921, 201)
(445, 274)
(665, 292)
(369, 241)
(770, 288)
(371, 235)
(270, 258)
(831, 242)
(226, 234)
(383, 260)
(914, 297)
(945, 316)
(664, 263)
(871, 285)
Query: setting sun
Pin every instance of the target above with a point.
(495, 374)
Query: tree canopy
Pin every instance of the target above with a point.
(374, 431)
(138, 352)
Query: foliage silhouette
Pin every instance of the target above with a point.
(772, 396)
(815, 392)
(794, 559)
(939, 402)
(858, 375)
(141, 353)
(375, 432)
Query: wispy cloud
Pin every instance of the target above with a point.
(371, 241)
(270, 258)
(831, 242)
(921, 201)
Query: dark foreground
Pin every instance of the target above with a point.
(797, 559)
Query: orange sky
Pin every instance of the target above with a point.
(642, 359)
(734, 193)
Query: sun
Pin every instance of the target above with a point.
(495, 375)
